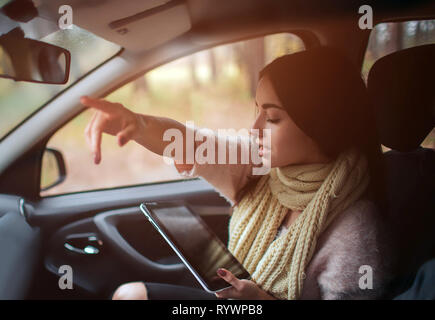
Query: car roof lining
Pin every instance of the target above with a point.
(205, 18)
(128, 22)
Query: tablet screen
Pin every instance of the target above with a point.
(202, 249)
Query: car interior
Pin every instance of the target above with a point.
(410, 168)
(101, 232)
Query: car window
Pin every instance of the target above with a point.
(20, 99)
(213, 88)
(387, 38)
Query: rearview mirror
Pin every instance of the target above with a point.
(23, 59)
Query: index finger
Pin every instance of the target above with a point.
(229, 277)
(99, 104)
(96, 136)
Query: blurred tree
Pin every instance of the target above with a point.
(140, 84)
(281, 44)
(418, 33)
(394, 36)
(252, 60)
(192, 71)
(212, 63)
(373, 44)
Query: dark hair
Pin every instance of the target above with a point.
(324, 94)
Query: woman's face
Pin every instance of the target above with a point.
(289, 144)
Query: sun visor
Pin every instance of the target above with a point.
(150, 29)
(136, 25)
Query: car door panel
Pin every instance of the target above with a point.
(19, 250)
(131, 249)
(54, 211)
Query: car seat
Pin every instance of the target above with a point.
(401, 88)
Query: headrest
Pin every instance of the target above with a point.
(401, 85)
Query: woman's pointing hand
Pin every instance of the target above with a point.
(111, 118)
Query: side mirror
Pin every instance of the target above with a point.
(53, 170)
(23, 59)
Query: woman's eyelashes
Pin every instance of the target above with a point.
(260, 112)
(272, 119)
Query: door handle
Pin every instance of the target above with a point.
(86, 244)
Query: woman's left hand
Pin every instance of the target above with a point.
(241, 289)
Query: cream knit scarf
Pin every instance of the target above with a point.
(321, 191)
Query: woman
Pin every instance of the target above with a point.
(311, 228)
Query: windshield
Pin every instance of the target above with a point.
(18, 100)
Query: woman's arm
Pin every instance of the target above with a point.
(227, 178)
(148, 131)
(116, 120)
